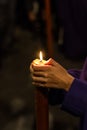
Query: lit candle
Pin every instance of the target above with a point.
(41, 101)
(41, 56)
(40, 61)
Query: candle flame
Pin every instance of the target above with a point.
(41, 56)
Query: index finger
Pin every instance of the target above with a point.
(41, 67)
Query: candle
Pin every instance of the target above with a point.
(41, 101)
(41, 56)
(40, 61)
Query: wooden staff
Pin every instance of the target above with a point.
(49, 28)
(41, 94)
(42, 118)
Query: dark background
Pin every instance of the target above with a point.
(17, 109)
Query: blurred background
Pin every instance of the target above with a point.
(22, 35)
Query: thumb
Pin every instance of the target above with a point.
(51, 62)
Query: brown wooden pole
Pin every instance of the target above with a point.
(49, 28)
(41, 104)
(41, 94)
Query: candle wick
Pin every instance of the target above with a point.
(40, 60)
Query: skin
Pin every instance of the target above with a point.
(50, 74)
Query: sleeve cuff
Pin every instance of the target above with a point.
(75, 100)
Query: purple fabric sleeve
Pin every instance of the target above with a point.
(56, 96)
(83, 75)
(75, 73)
(75, 100)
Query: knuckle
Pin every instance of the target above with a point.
(33, 78)
(45, 75)
(46, 80)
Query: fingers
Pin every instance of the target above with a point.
(34, 63)
(39, 84)
(42, 84)
(45, 67)
(51, 62)
(41, 67)
(39, 79)
(40, 74)
(31, 69)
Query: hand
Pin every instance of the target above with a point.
(51, 75)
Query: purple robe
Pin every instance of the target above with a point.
(75, 100)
